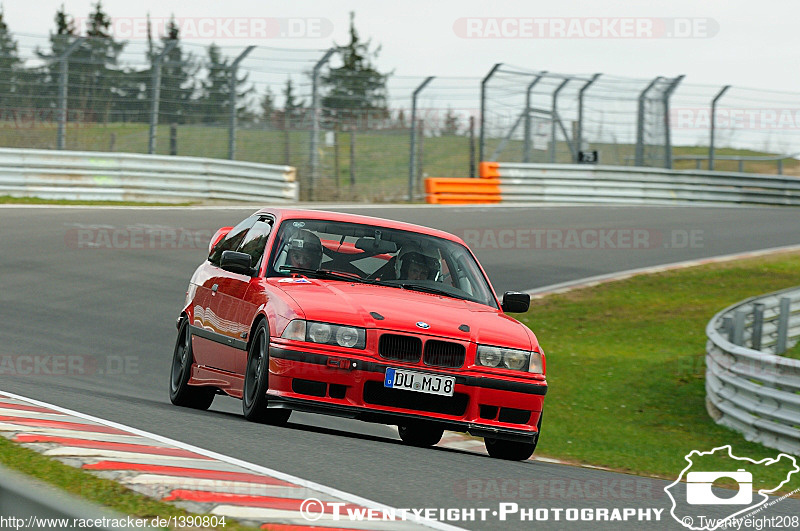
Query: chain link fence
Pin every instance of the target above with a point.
(170, 97)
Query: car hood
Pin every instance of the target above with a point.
(364, 304)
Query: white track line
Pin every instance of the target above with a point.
(358, 500)
(564, 287)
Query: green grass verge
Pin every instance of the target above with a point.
(8, 200)
(626, 369)
(88, 486)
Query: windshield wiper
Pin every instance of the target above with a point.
(429, 289)
(327, 273)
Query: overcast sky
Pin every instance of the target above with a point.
(740, 42)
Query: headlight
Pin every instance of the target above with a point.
(489, 356)
(509, 358)
(347, 336)
(319, 332)
(326, 333)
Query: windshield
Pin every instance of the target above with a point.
(378, 255)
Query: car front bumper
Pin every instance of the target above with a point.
(352, 386)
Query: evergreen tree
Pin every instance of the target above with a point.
(292, 109)
(267, 105)
(452, 123)
(101, 86)
(177, 85)
(215, 92)
(9, 66)
(356, 85)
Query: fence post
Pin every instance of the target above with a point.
(579, 135)
(472, 164)
(413, 154)
(484, 82)
(353, 155)
(526, 155)
(155, 95)
(667, 138)
(783, 325)
(554, 118)
(315, 120)
(714, 125)
(639, 160)
(173, 139)
(758, 325)
(232, 127)
(421, 152)
(62, 90)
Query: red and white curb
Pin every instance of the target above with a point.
(195, 479)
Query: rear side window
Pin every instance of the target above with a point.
(232, 240)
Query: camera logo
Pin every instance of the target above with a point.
(698, 488)
(693, 490)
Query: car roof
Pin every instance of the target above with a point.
(289, 213)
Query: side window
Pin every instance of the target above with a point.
(256, 240)
(232, 240)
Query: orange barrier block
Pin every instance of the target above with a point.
(489, 170)
(443, 190)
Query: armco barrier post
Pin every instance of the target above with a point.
(758, 325)
(413, 153)
(156, 95)
(232, 84)
(783, 325)
(738, 327)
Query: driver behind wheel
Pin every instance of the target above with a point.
(416, 263)
(304, 250)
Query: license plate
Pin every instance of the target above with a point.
(419, 382)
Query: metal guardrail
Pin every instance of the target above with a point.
(85, 175)
(750, 388)
(575, 183)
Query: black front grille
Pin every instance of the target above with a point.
(376, 393)
(444, 353)
(400, 348)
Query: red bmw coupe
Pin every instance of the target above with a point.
(359, 317)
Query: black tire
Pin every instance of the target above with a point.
(509, 450)
(513, 450)
(420, 434)
(256, 382)
(180, 392)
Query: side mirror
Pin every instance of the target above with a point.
(516, 302)
(236, 262)
(221, 233)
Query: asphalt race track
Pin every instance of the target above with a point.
(95, 285)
